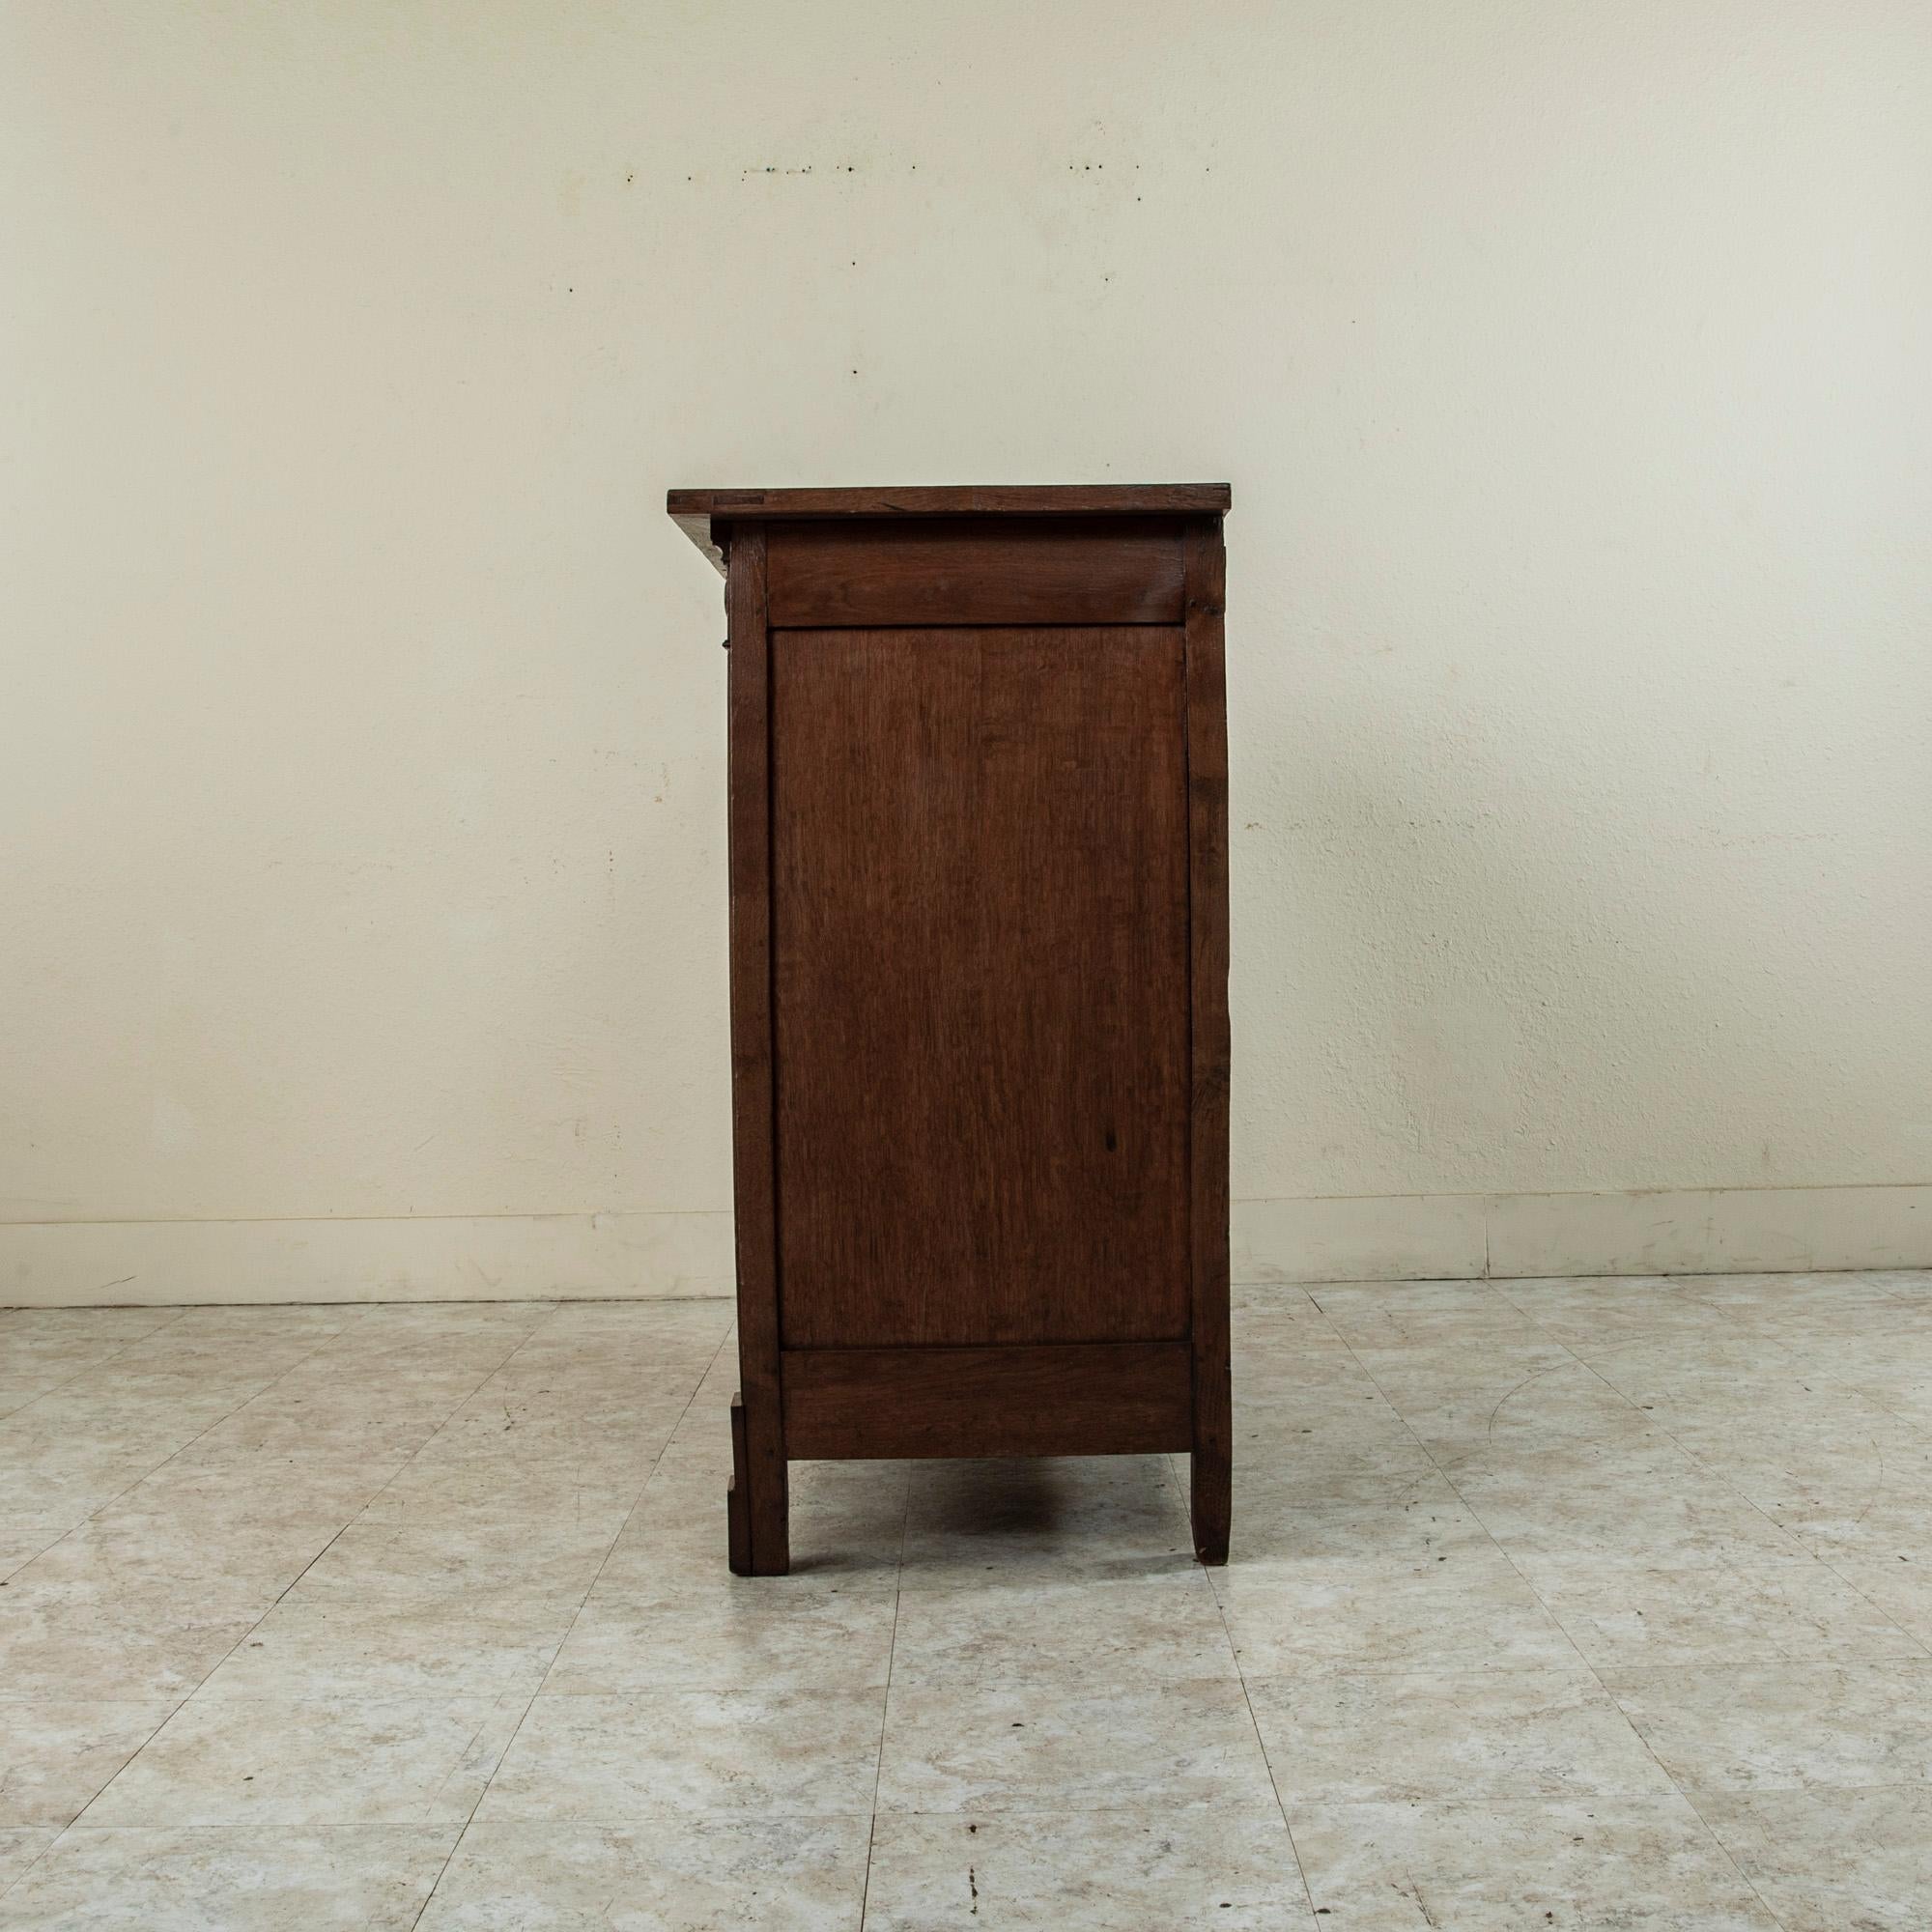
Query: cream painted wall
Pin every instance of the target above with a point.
(360, 755)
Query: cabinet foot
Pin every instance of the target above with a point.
(737, 1504)
(746, 1506)
(1210, 1504)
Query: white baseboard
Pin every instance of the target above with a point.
(418, 1257)
(1371, 1238)
(1471, 1237)
(1391, 1238)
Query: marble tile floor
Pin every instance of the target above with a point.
(1584, 1604)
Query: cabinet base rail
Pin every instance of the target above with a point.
(1023, 1399)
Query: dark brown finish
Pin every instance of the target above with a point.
(737, 1498)
(949, 570)
(763, 1475)
(1208, 881)
(979, 965)
(706, 516)
(980, 869)
(1099, 1398)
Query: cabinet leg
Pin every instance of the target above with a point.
(1210, 1480)
(755, 1504)
(737, 1498)
(1210, 1506)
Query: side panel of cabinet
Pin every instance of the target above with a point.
(981, 985)
(759, 1534)
(952, 571)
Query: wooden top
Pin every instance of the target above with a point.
(696, 511)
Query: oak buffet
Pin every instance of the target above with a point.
(979, 942)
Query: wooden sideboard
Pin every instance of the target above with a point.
(978, 911)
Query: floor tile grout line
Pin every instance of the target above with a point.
(1858, 1589)
(1261, 1745)
(1905, 1419)
(55, 1835)
(254, 1395)
(1476, 1515)
(463, 1830)
(871, 1838)
(1800, 1368)
(174, 1708)
(1743, 1495)
(886, 1699)
(1810, 1554)
(269, 1611)
(180, 1703)
(1742, 1317)
(650, 1476)
(1329, 1322)
(148, 1475)
(88, 1368)
(105, 1361)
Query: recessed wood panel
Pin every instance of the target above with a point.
(980, 843)
(975, 571)
(1087, 1399)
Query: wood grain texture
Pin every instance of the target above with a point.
(974, 570)
(980, 843)
(738, 1499)
(978, 980)
(1123, 1398)
(753, 1176)
(705, 516)
(1211, 1048)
